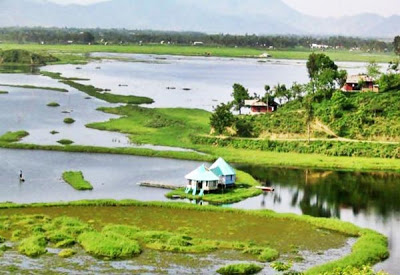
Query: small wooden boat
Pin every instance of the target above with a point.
(266, 188)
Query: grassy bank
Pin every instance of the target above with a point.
(13, 136)
(76, 180)
(36, 87)
(269, 229)
(67, 53)
(244, 188)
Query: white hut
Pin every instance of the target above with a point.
(202, 179)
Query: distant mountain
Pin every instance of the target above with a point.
(211, 16)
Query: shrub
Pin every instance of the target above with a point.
(240, 269)
(2, 239)
(281, 266)
(268, 255)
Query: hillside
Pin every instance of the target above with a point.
(359, 116)
(223, 16)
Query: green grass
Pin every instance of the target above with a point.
(69, 120)
(76, 180)
(65, 141)
(67, 253)
(53, 104)
(163, 223)
(13, 136)
(109, 97)
(36, 87)
(59, 77)
(66, 53)
(18, 56)
(33, 246)
(240, 269)
(244, 188)
(3, 92)
(108, 245)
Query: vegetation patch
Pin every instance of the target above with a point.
(54, 132)
(36, 87)
(246, 268)
(65, 141)
(53, 104)
(3, 92)
(59, 77)
(18, 56)
(13, 136)
(33, 246)
(108, 245)
(76, 180)
(69, 120)
(67, 253)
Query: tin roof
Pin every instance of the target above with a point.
(202, 173)
(221, 168)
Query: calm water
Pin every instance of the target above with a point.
(366, 199)
(210, 80)
(112, 176)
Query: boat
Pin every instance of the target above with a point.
(266, 188)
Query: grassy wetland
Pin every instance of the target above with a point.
(76, 180)
(133, 228)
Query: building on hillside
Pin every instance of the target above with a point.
(198, 43)
(219, 175)
(257, 106)
(361, 82)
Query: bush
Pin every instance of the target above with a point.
(268, 255)
(240, 269)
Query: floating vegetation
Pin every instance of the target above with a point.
(240, 269)
(33, 246)
(3, 92)
(69, 120)
(53, 104)
(36, 87)
(65, 141)
(66, 253)
(76, 180)
(13, 136)
(281, 266)
(54, 132)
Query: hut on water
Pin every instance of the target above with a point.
(219, 175)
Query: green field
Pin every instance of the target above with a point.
(123, 229)
(73, 53)
(76, 180)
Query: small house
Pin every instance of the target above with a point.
(361, 82)
(202, 179)
(259, 107)
(219, 175)
(225, 172)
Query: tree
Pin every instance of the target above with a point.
(297, 90)
(244, 127)
(281, 92)
(373, 70)
(240, 94)
(267, 95)
(222, 118)
(318, 62)
(396, 45)
(309, 115)
(87, 37)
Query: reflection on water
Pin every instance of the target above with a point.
(366, 199)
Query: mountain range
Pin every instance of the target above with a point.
(210, 16)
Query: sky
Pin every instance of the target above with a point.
(322, 8)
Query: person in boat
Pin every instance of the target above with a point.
(21, 177)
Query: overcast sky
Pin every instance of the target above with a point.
(321, 8)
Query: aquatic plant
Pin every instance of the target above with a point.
(32, 87)
(53, 104)
(243, 268)
(2, 239)
(3, 92)
(33, 246)
(108, 245)
(76, 180)
(66, 253)
(65, 141)
(13, 136)
(54, 132)
(69, 120)
(281, 266)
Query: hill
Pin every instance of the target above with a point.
(227, 16)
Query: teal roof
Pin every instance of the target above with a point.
(221, 168)
(202, 174)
